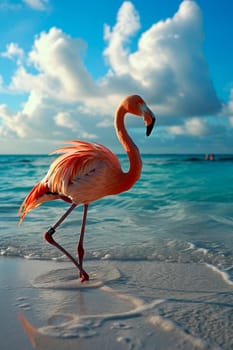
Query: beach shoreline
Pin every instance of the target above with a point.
(126, 305)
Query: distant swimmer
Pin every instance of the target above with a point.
(209, 156)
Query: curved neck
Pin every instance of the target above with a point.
(131, 149)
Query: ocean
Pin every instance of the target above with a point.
(181, 210)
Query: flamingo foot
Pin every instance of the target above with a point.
(84, 276)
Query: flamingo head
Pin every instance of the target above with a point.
(136, 105)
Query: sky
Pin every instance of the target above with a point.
(66, 65)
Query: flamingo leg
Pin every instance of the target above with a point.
(83, 275)
(48, 237)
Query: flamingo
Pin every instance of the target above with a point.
(85, 172)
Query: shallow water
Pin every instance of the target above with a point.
(179, 211)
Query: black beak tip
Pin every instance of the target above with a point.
(149, 128)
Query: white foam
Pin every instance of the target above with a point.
(24, 306)
(106, 257)
(10, 251)
(223, 274)
(169, 326)
(191, 246)
(202, 250)
(68, 325)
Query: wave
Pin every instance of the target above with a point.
(224, 274)
(169, 251)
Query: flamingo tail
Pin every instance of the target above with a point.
(38, 195)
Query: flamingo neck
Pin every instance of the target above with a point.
(135, 163)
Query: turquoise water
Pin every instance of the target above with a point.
(180, 210)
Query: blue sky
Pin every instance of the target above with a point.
(65, 66)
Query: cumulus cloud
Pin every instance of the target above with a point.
(61, 73)
(39, 120)
(127, 25)
(168, 66)
(64, 101)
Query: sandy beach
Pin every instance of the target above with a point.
(126, 305)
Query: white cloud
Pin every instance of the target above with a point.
(169, 66)
(1, 84)
(227, 110)
(193, 126)
(42, 120)
(58, 58)
(64, 119)
(12, 123)
(39, 5)
(13, 51)
(127, 25)
(229, 106)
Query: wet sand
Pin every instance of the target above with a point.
(126, 305)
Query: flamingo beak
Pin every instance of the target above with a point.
(149, 121)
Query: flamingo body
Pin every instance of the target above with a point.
(86, 172)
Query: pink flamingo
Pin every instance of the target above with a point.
(86, 172)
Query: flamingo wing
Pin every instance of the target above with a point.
(83, 172)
